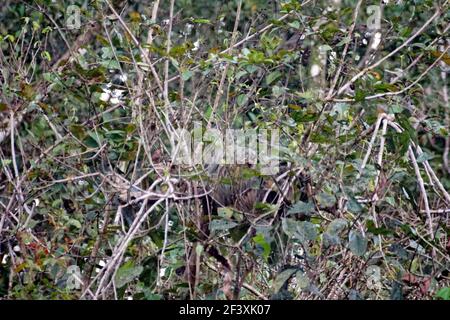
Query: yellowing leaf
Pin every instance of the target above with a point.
(445, 57)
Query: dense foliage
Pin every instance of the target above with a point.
(93, 205)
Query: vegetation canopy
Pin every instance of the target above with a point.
(242, 149)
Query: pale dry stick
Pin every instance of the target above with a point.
(446, 105)
(18, 182)
(237, 44)
(369, 149)
(136, 42)
(425, 163)
(381, 151)
(250, 288)
(419, 181)
(415, 82)
(225, 69)
(133, 229)
(166, 75)
(429, 175)
(166, 232)
(433, 175)
(70, 179)
(166, 63)
(338, 284)
(13, 149)
(344, 53)
(438, 211)
(375, 196)
(247, 38)
(394, 52)
(446, 153)
(119, 250)
(438, 250)
(420, 56)
(140, 74)
(110, 268)
(56, 25)
(447, 118)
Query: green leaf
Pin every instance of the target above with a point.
(353, 205)
(242, 100)
(325, 199)
(75, 223)
(127, 273)
(360, 95)
(5, 162)
(385, 87)
(225, 212)
(308, 95)
(294, 24)
(261, 241)
(110, 64)
(357, 243)
(406, 125)
(221, 224)
(278, 91)
(444, 293)
(46, 55)
(273, 77)
(302, 207)
(306, 231)
(289, 226)
(305, 116)
(377, 231)
(424, 157)
(281, 279)
(186, 75)
(203, 21)
(107, 53)
(303, 281)
(331, 236)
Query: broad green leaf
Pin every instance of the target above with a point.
(186, 75)
(326, 200)
(357, 243)
(444, 293)
(332, 235)
(221, 224)
(75, 223)
(302, 207)
(273, 77)
(424, 157)
(127, 273)
(261, 241)
(306, 231)
(225, 212)
(202, 21)
(242, 100)
(110, 64)
(281, 279)
(289, 226)
(303, 281)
